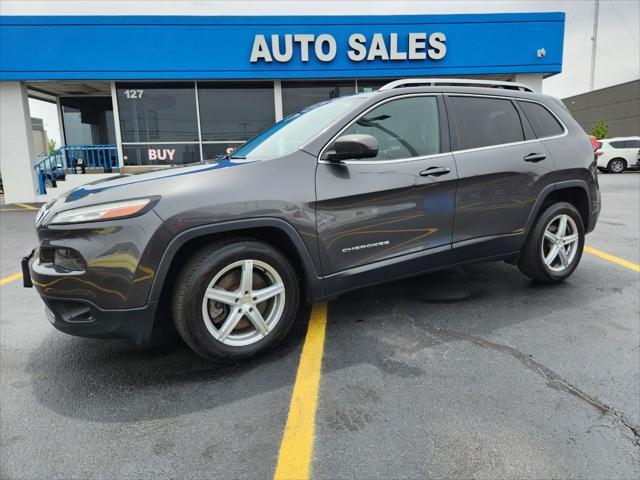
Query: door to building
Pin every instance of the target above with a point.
(88, 120)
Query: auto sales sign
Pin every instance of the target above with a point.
(359, 48)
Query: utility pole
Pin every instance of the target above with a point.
(594, 43)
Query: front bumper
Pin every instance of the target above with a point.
(107, 296)
(83, 319)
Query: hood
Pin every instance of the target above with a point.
(126, 186)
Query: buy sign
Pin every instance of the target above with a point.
(162, 153)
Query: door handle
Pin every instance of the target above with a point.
(434, 171)
(535, 157)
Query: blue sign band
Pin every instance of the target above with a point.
(186, 47)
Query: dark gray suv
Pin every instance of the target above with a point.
(418, 176)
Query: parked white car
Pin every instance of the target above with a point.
(615, 155)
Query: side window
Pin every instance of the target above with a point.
(483, 122)
(544, 124)
(632, 144)
(617, 144)
(405, 128)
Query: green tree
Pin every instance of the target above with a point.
(52, 145)
(600, 130)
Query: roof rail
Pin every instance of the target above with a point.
(462, 82)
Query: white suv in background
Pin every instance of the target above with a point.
(615, 155)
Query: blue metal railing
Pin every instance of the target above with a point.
(70, 159)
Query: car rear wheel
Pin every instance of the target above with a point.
(617, 165)
(554, 246)
(235, 299)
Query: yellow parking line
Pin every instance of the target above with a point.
(12, 209)
(24, 205)
(296, 448)
(633, 266)
(10, 278)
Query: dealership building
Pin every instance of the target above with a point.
(140, 92)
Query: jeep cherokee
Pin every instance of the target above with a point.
(420, 175)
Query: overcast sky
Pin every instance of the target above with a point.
(618, 53)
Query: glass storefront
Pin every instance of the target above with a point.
(235, 111)
(157, 112)
(297, 95)
(174, 123)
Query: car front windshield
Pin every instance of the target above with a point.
(296, 130)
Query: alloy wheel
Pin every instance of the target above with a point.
(617, 166)
(560, 243)
(243, 302)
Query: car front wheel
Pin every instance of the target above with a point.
(554, 247)
(235, 299)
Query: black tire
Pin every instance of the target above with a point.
(531, 261)
(617, 165)
(193, 280)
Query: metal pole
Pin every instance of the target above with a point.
(594, 43)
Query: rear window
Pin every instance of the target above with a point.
(483, 122)
(542, 121)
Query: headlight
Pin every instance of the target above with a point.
(104, 211)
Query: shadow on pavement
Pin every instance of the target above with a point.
(114, 381)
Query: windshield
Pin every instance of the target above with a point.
(294, 131)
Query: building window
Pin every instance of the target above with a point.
(296, 95)
(157, 112)
(159, 123)
(235, 111)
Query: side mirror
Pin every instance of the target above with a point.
(352, 146)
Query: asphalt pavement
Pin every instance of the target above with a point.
(473, 372)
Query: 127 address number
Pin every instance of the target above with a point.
(133, 93)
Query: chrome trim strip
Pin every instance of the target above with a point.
(384, 162)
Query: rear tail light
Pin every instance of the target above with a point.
(599, 152)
